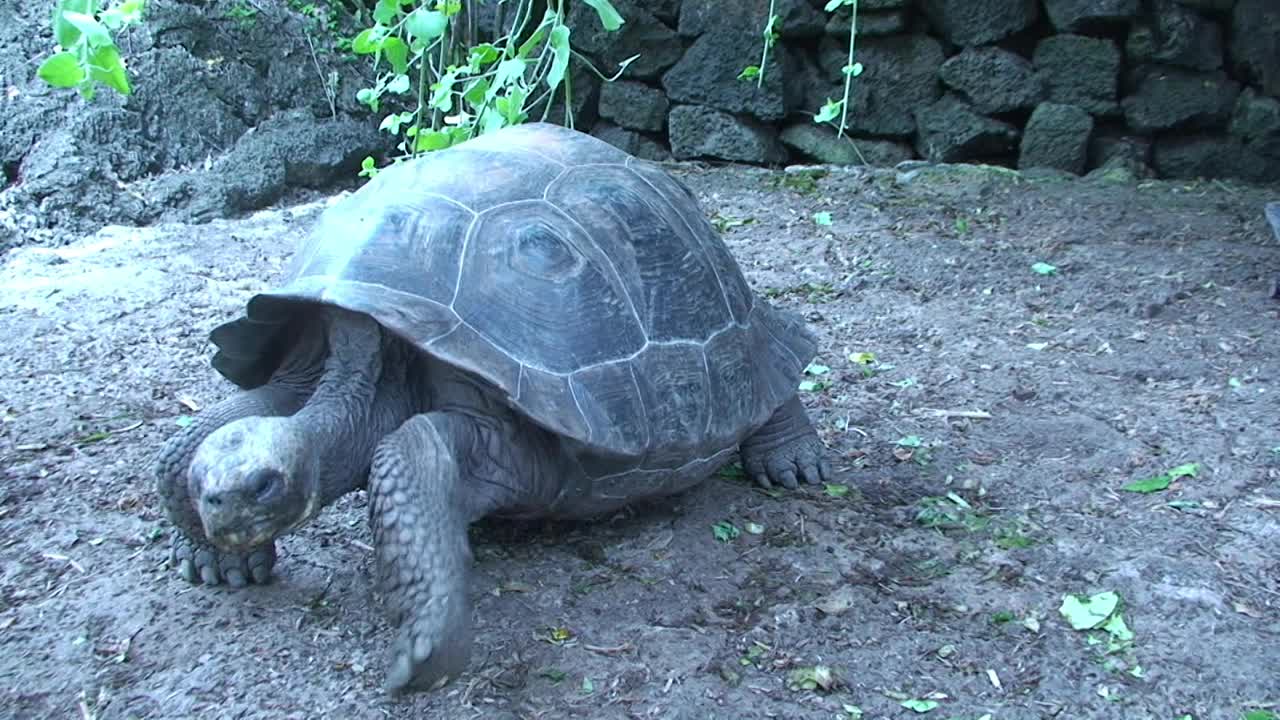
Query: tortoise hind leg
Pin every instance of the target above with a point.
(786, 448)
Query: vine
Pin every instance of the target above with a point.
(831, 109)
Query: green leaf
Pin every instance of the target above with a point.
(830, 111)
(816, 369)
(560, 46)
(426, 25)
(106, 67)
(509, 72)
(476, 91)
(1184, 470)
(122, 14)
(853, 70)
(1150, 485)
(750, 72)
(822, 218)
(61, 70)
(184, 421)
(1041, 268)
(609, 17)
(836, 490)
(1091, 612)
(920, 706)
(481, 55)
(94, 32)
(398, 85)
(442, 92)
(367, 167)
(512, 106)
(386, 11)
(368, 41)
(725, 531)
(65, 31)
(397, 54)
(431, 140)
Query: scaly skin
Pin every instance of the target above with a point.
(786, 447)
(430, 480)
(419, 527)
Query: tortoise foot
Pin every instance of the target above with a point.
(433, 647)
(786, 449)
(199, 562)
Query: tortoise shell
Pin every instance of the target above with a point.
(583, 284)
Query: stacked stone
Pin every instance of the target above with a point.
(1175, 88)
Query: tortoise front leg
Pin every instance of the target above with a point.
(431, 479)
(196, 559)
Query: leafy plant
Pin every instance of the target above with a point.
(87, 54)
(453, 87)
(461, 89)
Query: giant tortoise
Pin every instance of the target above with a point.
(529, 324)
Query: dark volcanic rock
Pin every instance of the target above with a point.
(797, 18)
(888, 22)
(1080, 71)
(642, 34)
(292, 150)
(1176, 35)
(703, 132)
(634, 105)
(978, 22)
(1209, 155)
(900, 74)
(1110, 149)
(1256, 123)
(1254, 48)
(823, 145)
(705, 75)
(631, 142)
(1073, 16)
(951, 131)
(993, 80)
(1056, 136)
(1168, 97)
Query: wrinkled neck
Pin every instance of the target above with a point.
(360, 397)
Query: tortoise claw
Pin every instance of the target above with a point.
(201, 563)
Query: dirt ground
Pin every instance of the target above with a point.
(982, 453)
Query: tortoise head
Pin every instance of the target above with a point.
(253, 480)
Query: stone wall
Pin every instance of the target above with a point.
(1174, 88)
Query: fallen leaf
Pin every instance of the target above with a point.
(1091, 612)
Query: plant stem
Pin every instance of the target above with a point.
(848, 76)
(768, 40)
